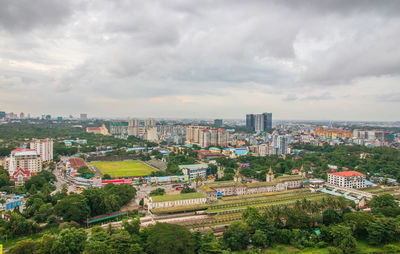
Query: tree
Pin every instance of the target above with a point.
(330, 216)
(358, 222)
(106, 177)
(27, 246)
(131, 227)
(120, 242)
(259, 238)
(187, 189)
(70, 240)
(164, 238)
(236, 237)
(141, 202)
(72, 208)
(210, 244)
(343, 238)
(385, 200)
(157, 192)
(43, 213)
(383, 230)
(45, 244)
(96, 247)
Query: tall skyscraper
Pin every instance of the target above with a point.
(250, 122)
(259, 122)
(2, 114)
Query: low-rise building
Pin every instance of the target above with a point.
(102, 130)
(347, 179)
(196, 198)
(193, 170)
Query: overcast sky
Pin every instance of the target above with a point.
(328, 60)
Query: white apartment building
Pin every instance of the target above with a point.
(44, 147)
(347, 179)
(27, 159)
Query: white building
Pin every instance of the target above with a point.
(347, 179)
(44, 147)
(27, 159)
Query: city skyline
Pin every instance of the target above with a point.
(313, 60)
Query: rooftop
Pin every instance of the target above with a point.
(347, 173)
(194, 166)
(184, 196)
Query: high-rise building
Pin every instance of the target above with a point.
(150, 122)
(218, 123)
(2, 114)
(21, 115)
(119, 129)
(250, 122)
(259, 122)
(83, 117)
(206, 136)
(44, 147)
(48, 117)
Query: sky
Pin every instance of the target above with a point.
(309, 60)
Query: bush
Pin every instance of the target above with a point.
(391, 248)
(322, 244)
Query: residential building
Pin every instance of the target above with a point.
(347, 179)
(83, 117)
(150, 122)
(98, 130)
(194, 170)
(119, 129)
(25, 159)
(20, 176)
(44, 147)
(205, 136)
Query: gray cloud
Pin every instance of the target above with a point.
(126, 51)
(24, 15)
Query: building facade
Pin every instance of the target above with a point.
(25, 159)
(347, 179)
(44, 147)
(259, 122)
(119, 129)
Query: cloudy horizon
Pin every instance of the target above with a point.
(320, 60)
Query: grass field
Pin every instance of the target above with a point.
(123, 168)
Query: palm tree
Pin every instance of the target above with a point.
(198, 179)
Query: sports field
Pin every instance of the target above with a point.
(123, 168)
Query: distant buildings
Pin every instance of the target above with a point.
(347, 179)
(119, 129)
(218, 123)
(98, 130)
(259, 122)
(2, 114)
(44, 147)
(83, 117)
(320, 131)
(205, 136)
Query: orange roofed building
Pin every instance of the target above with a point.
(320, 131)
(347, 179)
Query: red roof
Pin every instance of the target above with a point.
(22, 150)
(347, 173)
(77, 163)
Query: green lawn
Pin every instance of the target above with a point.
(123, 168)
